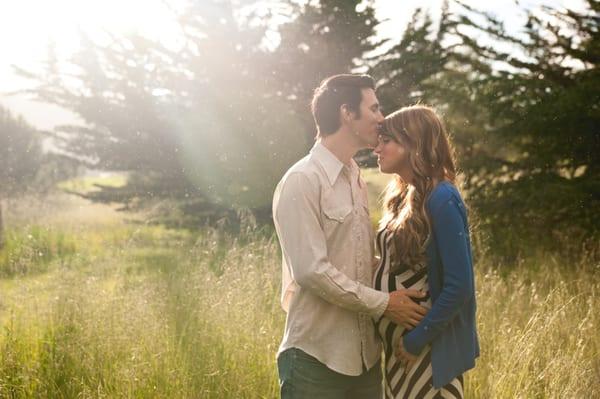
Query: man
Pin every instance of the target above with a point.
(329, 348)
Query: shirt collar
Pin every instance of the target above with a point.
(330, 163)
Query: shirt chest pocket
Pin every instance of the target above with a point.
(336, 207)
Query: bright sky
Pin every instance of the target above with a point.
(27, 26)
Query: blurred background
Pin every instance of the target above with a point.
(198, 107)
(141, 142)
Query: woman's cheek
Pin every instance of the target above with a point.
(401, 151)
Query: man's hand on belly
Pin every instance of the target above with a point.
(402, 310)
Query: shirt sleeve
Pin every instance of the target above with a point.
(296, 213)
(453, 248)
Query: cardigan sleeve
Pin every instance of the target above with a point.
(451, 235)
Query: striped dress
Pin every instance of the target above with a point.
(417, 383)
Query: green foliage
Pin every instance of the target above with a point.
(20, 153)
(209, 127)
(31, 249)
(411, 71)
(532, 166)
(407, 70)
(524, 121)
(204, 131)
(321, 39)
(23, 166)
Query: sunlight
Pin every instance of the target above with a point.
(27, 26)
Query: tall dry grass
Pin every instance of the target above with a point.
(136, 311)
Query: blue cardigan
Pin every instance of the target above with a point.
(450, 324)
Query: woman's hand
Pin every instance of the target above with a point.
(407, 359)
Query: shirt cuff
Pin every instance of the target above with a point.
(377, 302)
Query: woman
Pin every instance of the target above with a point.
(424, 244)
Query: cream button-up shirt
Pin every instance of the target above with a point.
(322, 221)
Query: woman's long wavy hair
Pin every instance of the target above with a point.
(431, 158)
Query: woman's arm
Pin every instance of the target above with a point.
(451, 236)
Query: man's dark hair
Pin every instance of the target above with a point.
(332, 93)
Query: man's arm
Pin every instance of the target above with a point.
(296, 213)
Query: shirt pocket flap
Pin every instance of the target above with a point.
(338, 214)
(334, 210)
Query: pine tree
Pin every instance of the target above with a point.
(212, 126)
(197, 129)
(20, 158)
(322, 38)
(536, 173)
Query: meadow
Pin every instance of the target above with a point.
(98, 304)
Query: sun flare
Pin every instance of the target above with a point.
(27, 26)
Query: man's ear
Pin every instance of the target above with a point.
(346, 113)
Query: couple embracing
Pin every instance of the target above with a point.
(415, 303)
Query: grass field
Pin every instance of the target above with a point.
(92, 306)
